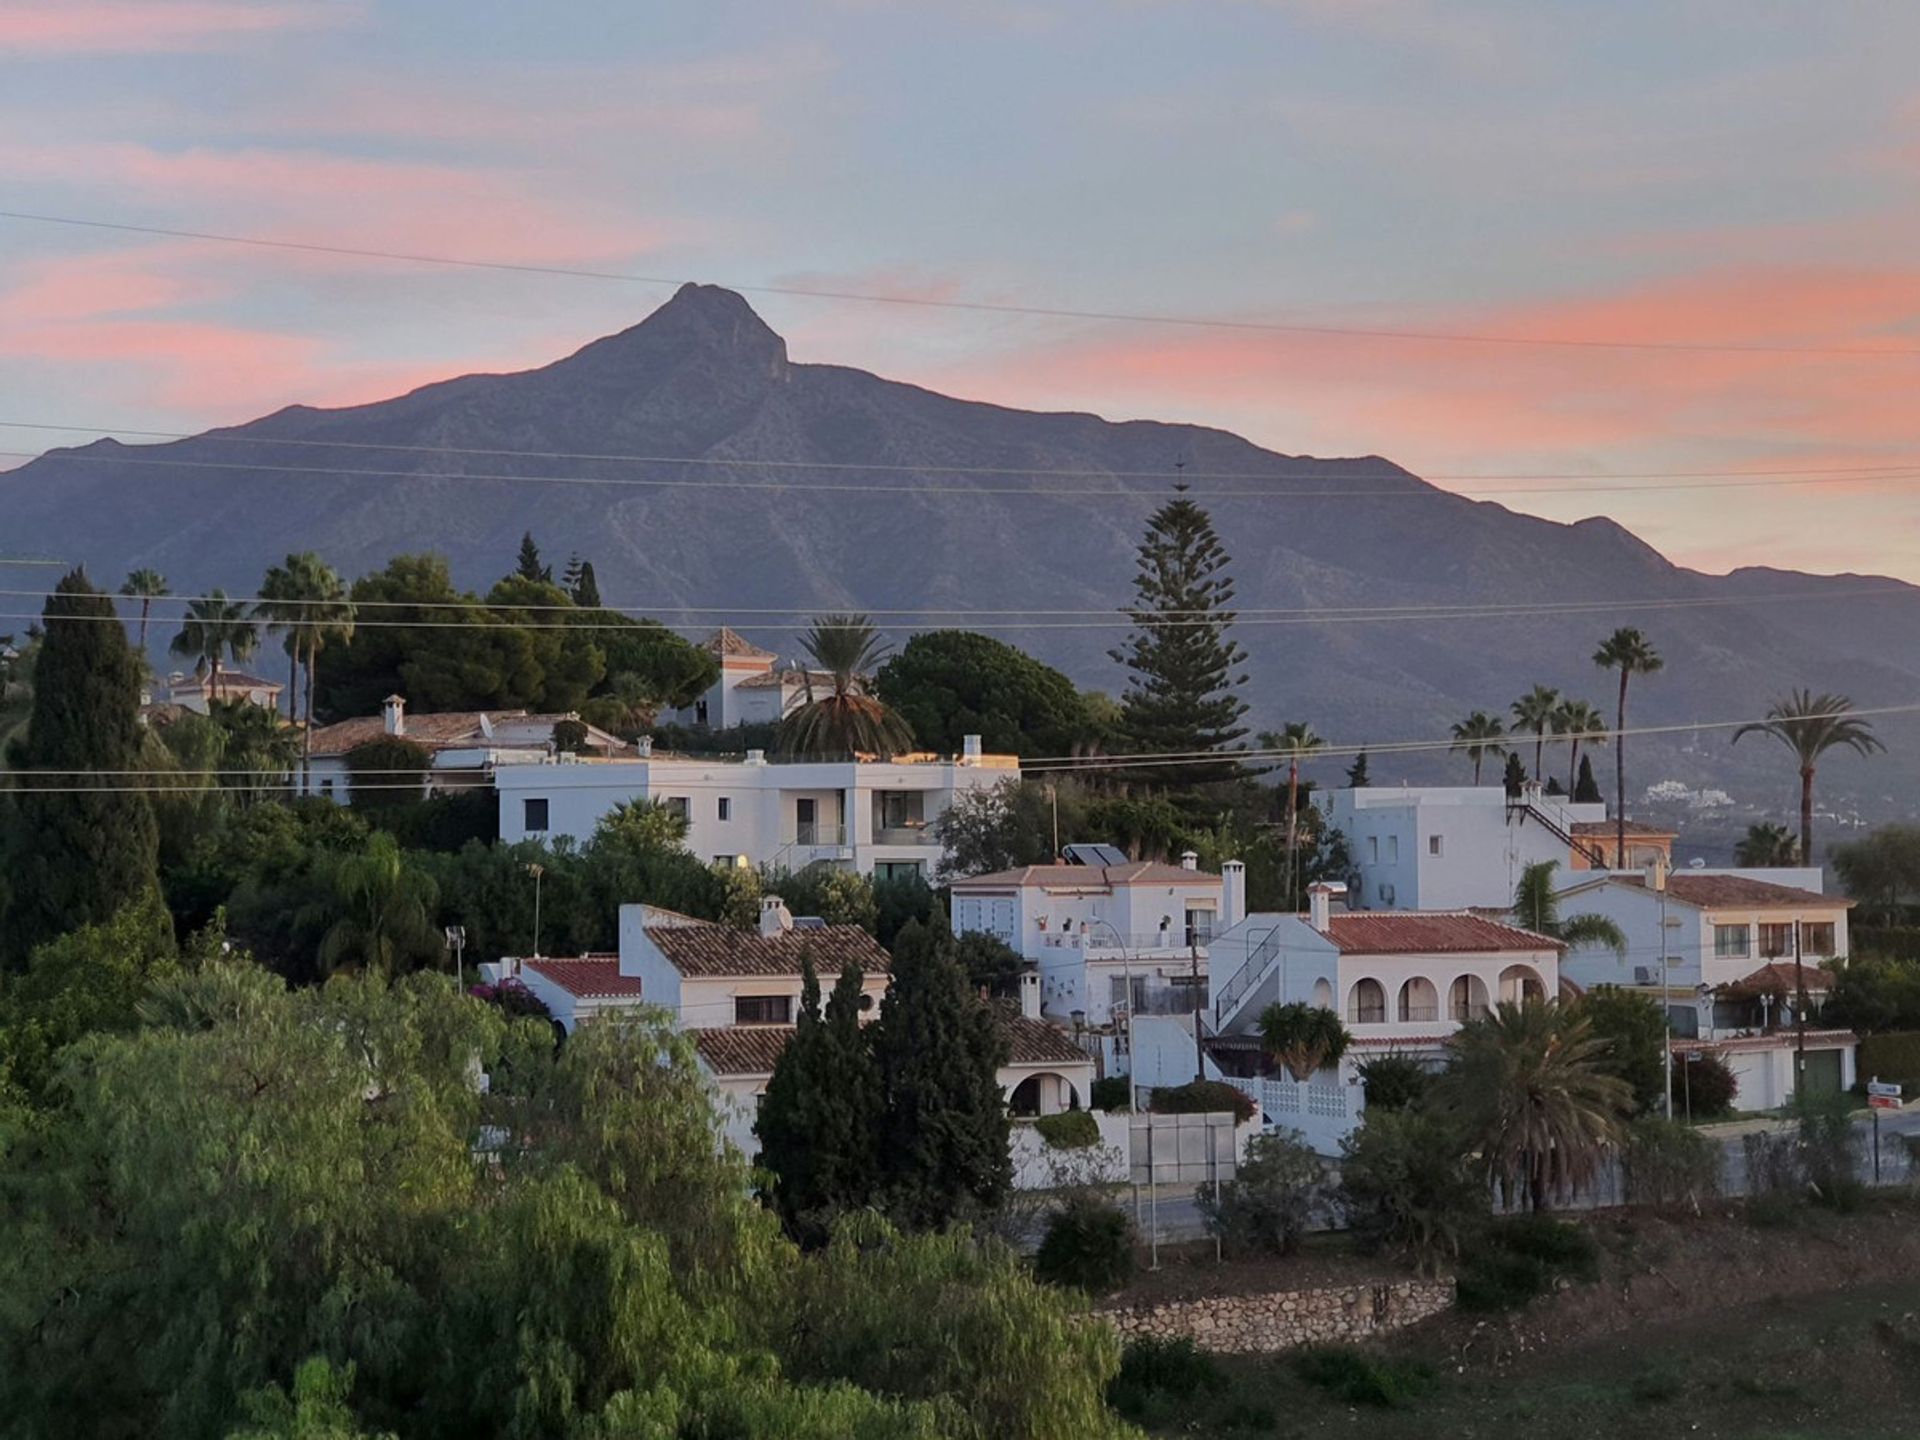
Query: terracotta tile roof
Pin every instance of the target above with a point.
(779, 679)
(1710, 892)
(230, 679)
(1089, 877)
(721, 950)
(1608, 827)
(740, 1051)
(1035, 1042)
(446, 730)
(1777, 978)
(1428, 932)
(590, 977)
(727, 641)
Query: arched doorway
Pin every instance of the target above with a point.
(1044, 1094)
(1419, 1000)
(1366, 1003)
(1520, 983)
(1467, 999)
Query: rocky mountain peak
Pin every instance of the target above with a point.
(705, 325)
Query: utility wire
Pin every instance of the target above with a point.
(981, 306)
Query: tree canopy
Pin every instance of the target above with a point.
(947, 684)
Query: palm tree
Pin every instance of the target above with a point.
(1537, 908)
(848, 719)
(1294, 744)
(306, 600)
(1530, 1088)
(1577, 721)
(215, 626)
(1478, 736)
(1535, 711)
(1304, 1038)
(256, 747)
(146, 586)
(1631, 653)
(1810, 725)
(1766, 844)
(381, 910)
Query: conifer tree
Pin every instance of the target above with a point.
(77, 855)
(939, 1051)
(1586, 790)
(1183, 694)
(1515, 778)
(585, 588)
(1357, 772)
(530, 567)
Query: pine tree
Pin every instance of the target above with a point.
(585, 589)
(77, 856)
(530, 567)
(1586, 790)
(1183, 693)
(1357, 773)
(820, 1122)
(939, 1053)
(1516, 777)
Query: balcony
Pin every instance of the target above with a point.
(816, 833)
(1105, 941)
(914, 833)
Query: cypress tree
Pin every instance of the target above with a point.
(76, 858)
(585, 588)
(529, 567)
(1182, 696)
(1586, 790)
(939, 1053)
(1357, 773)
(1516, 777)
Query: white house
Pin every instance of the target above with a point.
(1094, 930)
(875, 817)
(464, 747)
(753, 689)
(1725, 970)
(195, 691)
(1450, 847)
(1401, 981)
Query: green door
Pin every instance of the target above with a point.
(1823, 1074)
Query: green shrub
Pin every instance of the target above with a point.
(1359, 1379)
(1069, 1130)
(1893, 1056)
(1406, 1185)
(1519, 1259)
(1669, 1165)
(1154, 1372)
(1280, 1189)
(1203, 1097)
(1703, 1088)
(1395, 1082)
(1115, 1092)
(1088, 1246)
(1830, 1153)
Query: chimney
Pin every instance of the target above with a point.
(756, 757)
(393, 715)
(1189, 860)
(1233, 893)
(775, 918)
(1320, 899)
(1657, 874)
(969, 749)
(1030, 994)
(644, 744)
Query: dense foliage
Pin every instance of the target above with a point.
(948, 684)
(1279, 1191)
(1088, 1246)
(1204, 1097)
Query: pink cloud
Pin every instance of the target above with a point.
(67, 27)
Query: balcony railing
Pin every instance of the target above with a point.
(1101, 938)
(817, 833)
(915, 834)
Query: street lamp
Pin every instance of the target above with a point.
(536, 870)
(1126, 967)
(457, 942)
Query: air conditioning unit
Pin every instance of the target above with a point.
(1386, 894)
(1643, 975)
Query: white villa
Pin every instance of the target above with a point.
(1093, 930)
(195, 692)
(753, 689)
(874, 817)
(1717, 948)
(1449, 847)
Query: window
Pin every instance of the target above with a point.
(1199, 927)
(763, 1009)
(901, 870)
(902, 810)
(679, 805)
(1367, 1005)
(726, 862)
(1776, 940)
(326, 788)
(534, 814)
(1117, 992)
(1730, 941)
(1373, 847)
(1393, 849)
(1816, 937)
(1433, 845)
(726, 807)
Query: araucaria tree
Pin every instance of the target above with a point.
(1810, 725)
(1183, 695)
(1631, 653)
(939, 1051)
(80, 849)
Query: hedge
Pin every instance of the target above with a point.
(1069, 1130)
(1892, 1055)
(1198, 1097)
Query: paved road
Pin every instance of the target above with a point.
(1175, 1214)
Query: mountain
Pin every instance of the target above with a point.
(704, 377)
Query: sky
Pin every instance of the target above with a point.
(1737, 174)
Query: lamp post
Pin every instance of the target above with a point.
(1126, 969)
(536, 870)
(1666, 997)
(457, 942)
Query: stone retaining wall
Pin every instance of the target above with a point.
(1279, 1320)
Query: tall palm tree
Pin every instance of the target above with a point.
(1294, 744)
(1536, 907)
(215, 626)
(306, 600)
(1530, 1088)
(1535, 711)
(1478, 736)
(257, 748)
(1631, 653)
(848, 719)
(146, 586)
(1766, 844)
(1810, 725)
(1577, 721)
(381, 910)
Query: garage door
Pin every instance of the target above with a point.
(1823, 1074)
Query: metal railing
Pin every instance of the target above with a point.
(1106, 938)
(817, 834)
(1260, 959)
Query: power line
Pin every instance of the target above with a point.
(1417, 489)
(980, 306)
(742, 463)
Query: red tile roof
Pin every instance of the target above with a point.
(1035, 1042)
(721, 950)
(726, 641)
(740, 1051)
(1092, 877)
(1710, 892)
(1777, 978)
(1428, 932)
(590, 977)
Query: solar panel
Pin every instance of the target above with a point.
(809, 922)
(1094, 855)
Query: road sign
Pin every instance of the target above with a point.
(1883, 1095)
